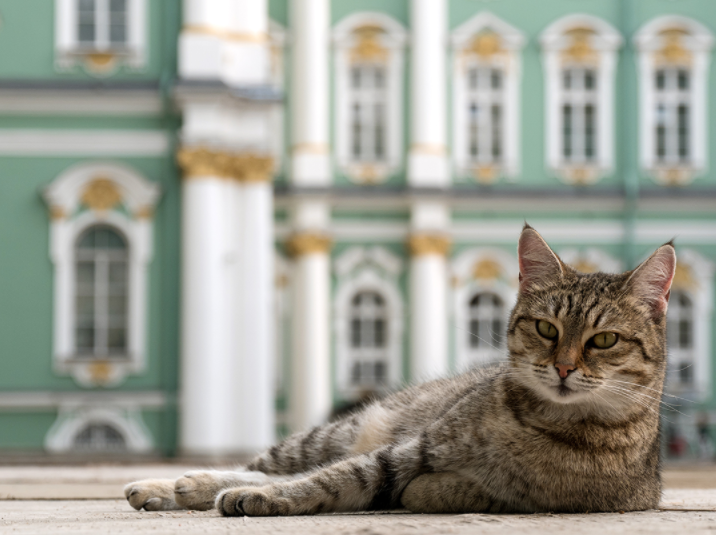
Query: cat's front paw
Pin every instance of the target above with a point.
(261, 501)
(152, 495)
(197, 490)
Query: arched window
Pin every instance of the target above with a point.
(580, 61)
(368, 341)
(486, 326)
(673, 64)
(101, 293)
(99, 438)
(680, 340)
(369, 66)
(486, 69)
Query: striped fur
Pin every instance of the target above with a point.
(515, 437)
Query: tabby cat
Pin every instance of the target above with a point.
(570, 423)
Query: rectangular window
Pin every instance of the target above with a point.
(485, 101)
(369, 101)
(102, 24)
(672, 116)
(579, 115)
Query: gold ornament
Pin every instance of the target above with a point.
(100, 371)
(204, 163)
(485, 45)
(368, 46)
(57, 212)
(580, 49)
(428, 244)
(144, 212)
(101, 194)
(485, 174)
(684, 277)
(585, 266)
(673, 52)
(308, 243)
(487, 269)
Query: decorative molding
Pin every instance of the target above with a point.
(73, 420)
(59, 101)
(579, 42)
(305, 243)
(486, 42)
(101, 194)
(117, 187)
(429, 244)
(674, 42)
(52, 400)
(49, 143)
(369, 38)
(201, 162)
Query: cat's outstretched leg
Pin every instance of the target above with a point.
(373, 480)
(194, 490)
(448, 492)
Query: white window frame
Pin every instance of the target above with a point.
(393, 40)
(604, 44)
(696, 42)
(373, 269)
(466, 285)
(71, 421)
(69, 220)
(700, 290)
(69, 51)
(509, 62)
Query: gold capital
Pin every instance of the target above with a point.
(427, 244)
(201, 162)
(304, 243)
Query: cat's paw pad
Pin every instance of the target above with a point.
(151, 495)
(250, 502)
(197, 490)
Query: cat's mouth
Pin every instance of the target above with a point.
(564, 390)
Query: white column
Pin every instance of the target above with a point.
(254, 395)
(310, 386)
(428, 246)
(206, 352)
(310, 389)
(427, 161)
(310, 97)
(225, 40)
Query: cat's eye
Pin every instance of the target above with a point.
(546, 329)
(604, 340)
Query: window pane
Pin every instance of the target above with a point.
(379, 372)
(496, 132)
(567, 133)
(379, 132)
(567, 79)
(496, 79)
(357, 130)
(355, 332)
(497, 333)
(474, 333)
(683, 79)
(685, 373)
(99, 437)
(473, 130)
(661, 132)
(116, 339)
(85, 340)
(685, 334)
(660, 80)
(683, 132)
(590, 80)
(356, 374)
(86, 21)
(85, 273)
(589, 124)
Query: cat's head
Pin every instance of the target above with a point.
(596, 339)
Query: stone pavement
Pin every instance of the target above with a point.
(87, 500)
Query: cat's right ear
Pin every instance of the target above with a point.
(651, 281)
(539, 265)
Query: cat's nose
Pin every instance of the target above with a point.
(564, 369)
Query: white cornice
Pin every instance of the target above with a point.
(36, 142)
(48, 400)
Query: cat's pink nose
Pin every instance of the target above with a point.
(564, 369)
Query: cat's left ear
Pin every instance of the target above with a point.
(651, 281)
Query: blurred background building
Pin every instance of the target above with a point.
(221, 220)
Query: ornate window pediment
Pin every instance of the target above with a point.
(100, 245)
(369, 91)
(486, 74)
(580, 60)
(673, 76)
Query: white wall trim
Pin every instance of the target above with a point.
(56, 102)
(698, 41)
(63, 196)
(16, 401)
(70, 421)
(465, 286)
(394, 40)
(359, 269)
(510, 63)
(605, 42)
(36, 142)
